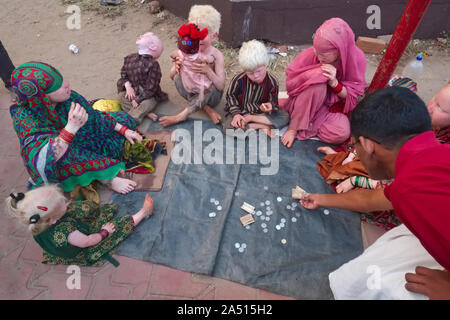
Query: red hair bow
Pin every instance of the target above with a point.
(192, 31)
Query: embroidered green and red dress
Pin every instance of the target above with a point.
(95, 152)
(87, 217)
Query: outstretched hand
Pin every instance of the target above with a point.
(133, 136)
(311, 201)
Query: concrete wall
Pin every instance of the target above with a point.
(294, 21)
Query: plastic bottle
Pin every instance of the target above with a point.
(414, 68)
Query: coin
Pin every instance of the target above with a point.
(326, 211)
(279, 199)
(294, 219)
(237, 245)
(283, 241)
(267, 202)
(219, 208)
(212, 214)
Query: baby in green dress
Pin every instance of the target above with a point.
(79, 232)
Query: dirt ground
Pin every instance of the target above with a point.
(40, 33)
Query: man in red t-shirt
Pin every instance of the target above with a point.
(391, 131)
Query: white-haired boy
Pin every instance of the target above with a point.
(203, 16)
(252, 97)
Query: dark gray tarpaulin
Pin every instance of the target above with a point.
(183, 234)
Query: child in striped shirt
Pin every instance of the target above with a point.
(252, 97)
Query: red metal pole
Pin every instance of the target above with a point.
(413, 14)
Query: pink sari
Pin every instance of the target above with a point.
(310, 97)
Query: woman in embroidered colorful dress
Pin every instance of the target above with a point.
(78, 232)
(330, 72)
(62, 138)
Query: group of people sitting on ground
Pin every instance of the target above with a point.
(65, 141)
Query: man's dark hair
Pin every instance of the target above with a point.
(390, 117)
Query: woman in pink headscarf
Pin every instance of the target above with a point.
(332, 71)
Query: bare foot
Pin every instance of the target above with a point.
(152, 116)
(263, 127)
(212, 114)
(148, 205)
(168, 121)
(269, 132)
(122, 185)
(171, 120)
(326, 150)
(288, 138)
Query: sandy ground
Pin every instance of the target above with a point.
(39, 32)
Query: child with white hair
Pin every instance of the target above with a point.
(79, 232)
(211, 63)
(139, 84)
(252, 97)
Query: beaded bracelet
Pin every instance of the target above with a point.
(66, 136)
(104, 233)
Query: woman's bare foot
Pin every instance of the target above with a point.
(288, 137)
(171, 120)
(326, 150)
(122, 185)
(212, 114)
(152, 116)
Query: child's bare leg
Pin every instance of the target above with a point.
(212, 114)
(326, 150)
(171, 120)
(264, 127)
